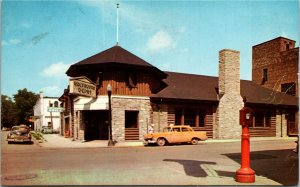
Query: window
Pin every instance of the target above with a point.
(178, 116)
(201, 119)
(131, 119)
(185, 129)
(132, 80)
(259, 119)
(287, 46)
(265, 75)
(262, 119)
(190, 117)
(56, 104)
(289, 88)
(292, 125)
(176, 129)
(50, 104)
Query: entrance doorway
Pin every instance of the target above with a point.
(131, 125)
(96, 125)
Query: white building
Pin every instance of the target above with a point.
(44, 118)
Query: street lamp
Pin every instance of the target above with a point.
(110, 142)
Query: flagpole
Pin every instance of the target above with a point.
(117, 23)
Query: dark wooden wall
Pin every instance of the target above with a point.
(146, 84)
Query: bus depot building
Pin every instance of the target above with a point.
(143, 95)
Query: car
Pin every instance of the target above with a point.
(19, 134)
(175, 134)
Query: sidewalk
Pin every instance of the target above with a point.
(58, 141)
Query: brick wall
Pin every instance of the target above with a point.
(282, 63)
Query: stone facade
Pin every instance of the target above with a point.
(279, 58)
(159, 117)
(281, 124)
(119, 105)
(227, 119)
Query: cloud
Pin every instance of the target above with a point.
(161, 40)
(52, 91)
(56, 70)
(11, 42)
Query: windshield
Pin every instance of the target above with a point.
(15, 128)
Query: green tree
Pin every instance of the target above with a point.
(7, 112)
(23, 108)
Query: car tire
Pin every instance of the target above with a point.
(194, 141)
(161, 141)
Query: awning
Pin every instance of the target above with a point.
(86, 103)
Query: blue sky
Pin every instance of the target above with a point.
(41, 39)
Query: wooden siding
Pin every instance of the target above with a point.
(264, 131)
(131, 133)
(208, 123)
(171, 116)
(208, 127)
(145, 84)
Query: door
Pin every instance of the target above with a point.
(96, 125)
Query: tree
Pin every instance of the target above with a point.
(7, 114)
(23, 108)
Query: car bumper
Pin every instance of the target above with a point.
(146, 142)
(18, 139)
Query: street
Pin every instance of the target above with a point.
(204, 164)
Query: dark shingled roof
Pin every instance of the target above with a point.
(114, 55)
(205, 88)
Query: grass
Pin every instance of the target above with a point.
(37, 135)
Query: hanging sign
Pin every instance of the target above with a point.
(82, 86)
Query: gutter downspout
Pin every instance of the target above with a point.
(281, 128)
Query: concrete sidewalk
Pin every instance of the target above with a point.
(58, 141)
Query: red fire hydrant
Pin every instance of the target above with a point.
(245, 173)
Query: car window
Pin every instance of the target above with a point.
(167, 129)
(184, 129)
(176, 129)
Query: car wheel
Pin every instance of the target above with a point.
(161, 141)
(194, 141)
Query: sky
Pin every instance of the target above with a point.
(41, 39)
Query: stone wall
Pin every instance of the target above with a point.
(159, 117)
(122, 103)
(227, 119)
(281, 124)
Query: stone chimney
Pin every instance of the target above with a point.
(230, 100)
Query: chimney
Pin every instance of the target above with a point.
(230, 100)
(41, 94)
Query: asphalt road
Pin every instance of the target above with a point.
(203, 164)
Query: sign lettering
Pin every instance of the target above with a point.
(82, 87)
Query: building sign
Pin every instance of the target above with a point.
(82, 86)
(55, 109)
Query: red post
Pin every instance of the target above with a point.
(245, 174)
